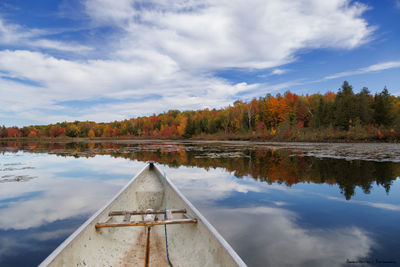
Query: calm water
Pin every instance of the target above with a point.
(276, 204)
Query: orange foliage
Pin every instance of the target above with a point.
(266, 117)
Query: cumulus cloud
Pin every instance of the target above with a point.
(64, 80)
(251, 34)
(171, 50)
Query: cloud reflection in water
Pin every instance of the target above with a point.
(269, 235)
(277, 240)
(264, 231)
(54, 196)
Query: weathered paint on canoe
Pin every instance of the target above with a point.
(196, 244)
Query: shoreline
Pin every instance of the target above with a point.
(196, 139)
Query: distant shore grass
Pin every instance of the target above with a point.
(289, 135)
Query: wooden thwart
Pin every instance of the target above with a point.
(146, 223)
(143, 212)
(127, 215)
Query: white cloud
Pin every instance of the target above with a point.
(382, 66)
(56, 45)
(397, 4)
(171, 50)
(278, 240)
(278, 71)
(384, 206)
(254, 34)
(64, 80)
(48, 235)
(14, 34)
(372, 68)
(55, 195)
(205, 187)
(105, 11)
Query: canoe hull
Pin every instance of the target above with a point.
(189, 245)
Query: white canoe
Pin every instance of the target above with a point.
(117, 236)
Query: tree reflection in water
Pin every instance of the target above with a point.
(282, 166)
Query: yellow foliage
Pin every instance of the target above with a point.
(91, 134)
(181, 127)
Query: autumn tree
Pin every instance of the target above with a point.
(72, 130)
(266, 116)
(91, 134)
(251, 110)
(13, 132)
(59, 131)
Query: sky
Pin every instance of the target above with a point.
(106, 60)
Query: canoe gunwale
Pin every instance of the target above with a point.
(78, 231)
(198, 216)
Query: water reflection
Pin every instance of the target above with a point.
(281, 241)
(378, 205)
(273, 225)
(286, 210)
(265, 163)
(55, 196)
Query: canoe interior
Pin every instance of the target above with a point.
(189, 244)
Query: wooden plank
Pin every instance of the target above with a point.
(146, 223)
(147, 252)
(142, 212)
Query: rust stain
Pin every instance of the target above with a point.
(137, 254)
(158, 253)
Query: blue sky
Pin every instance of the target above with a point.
(106, 60)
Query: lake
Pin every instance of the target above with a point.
(277, 204)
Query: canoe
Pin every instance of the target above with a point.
(136, 229)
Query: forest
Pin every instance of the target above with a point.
(341, 116)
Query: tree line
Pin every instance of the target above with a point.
(263, 164)
(341, 115)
